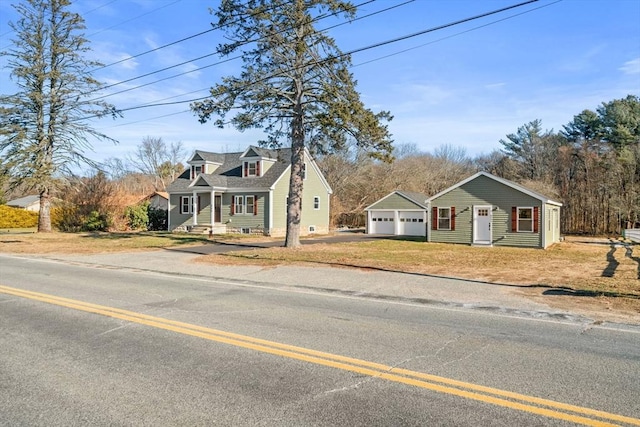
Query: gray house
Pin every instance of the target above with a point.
(487, 210)
(482, 210)
(245, 193)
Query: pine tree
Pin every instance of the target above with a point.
(42, 128)
(295, 84)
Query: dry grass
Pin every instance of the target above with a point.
(92, 243)
(587, 276)
(579, 268)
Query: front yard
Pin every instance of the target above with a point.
(580, 272)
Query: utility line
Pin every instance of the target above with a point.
(372, 46)
(154, 103)
(217, 52)
(213, 28)
(454, 35)
(134, 18)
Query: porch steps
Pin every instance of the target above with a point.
(200, 229)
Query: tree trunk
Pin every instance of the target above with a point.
(44, 215)
(294, 206)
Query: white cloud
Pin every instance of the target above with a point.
(631, 67)
(495, 85)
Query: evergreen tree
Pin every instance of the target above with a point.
(42, 126)
(295, 84)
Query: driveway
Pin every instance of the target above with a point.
(216, 247)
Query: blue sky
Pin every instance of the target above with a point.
(466, 86)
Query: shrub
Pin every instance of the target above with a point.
(96, 222)
(17, 218)
(157, 219)
(137, 217)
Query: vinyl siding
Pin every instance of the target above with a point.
(312, 187)
(485, 191)
(395, 202)
(176, 219)
(246, 220)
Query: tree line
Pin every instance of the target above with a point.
(296, 85)
(591, 166)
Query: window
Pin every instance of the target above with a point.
(251, 168)
(196, 170)
(316, 203)
(250, 204)
(239, 205)
(525, 219)
(444, 219)
(244, 205)
(186, 205)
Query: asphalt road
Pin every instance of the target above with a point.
(113, 353)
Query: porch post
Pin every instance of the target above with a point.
(194, 207)
(213, 208)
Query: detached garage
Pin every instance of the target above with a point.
(400, 214)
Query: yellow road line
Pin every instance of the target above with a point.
(418, 379)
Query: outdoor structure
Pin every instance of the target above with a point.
(158, 200)
(399, 213)
(30, 203)
(487, 210)
(246, 193)
(482, 210)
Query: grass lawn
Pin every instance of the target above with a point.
(576, 267)
(91, 243)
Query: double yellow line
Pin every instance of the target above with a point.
(534, 405)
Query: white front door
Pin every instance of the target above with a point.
(482, 225)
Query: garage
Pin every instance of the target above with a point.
(382, 222)
(411, 223)
(399, 213)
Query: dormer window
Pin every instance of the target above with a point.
(197, 170)
(252, 168)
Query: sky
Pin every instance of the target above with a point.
(467, 85)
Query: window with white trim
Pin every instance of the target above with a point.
(316, 203)
(444, 218)
(525, 220)
(239, 205)
(186, 205)
(244, 205)
(249, 203)
(252, 168)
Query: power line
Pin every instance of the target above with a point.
(217, 52)
(455, 35)
(362, 49)
(132, 19)
(157, 103)
(213, 28)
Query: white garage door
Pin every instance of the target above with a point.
(382, 223)
(411, 224)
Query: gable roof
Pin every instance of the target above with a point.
(206, 156)
(24, 202)
(263, 153)
(416, 198)
(229, 174)
(503, 181)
